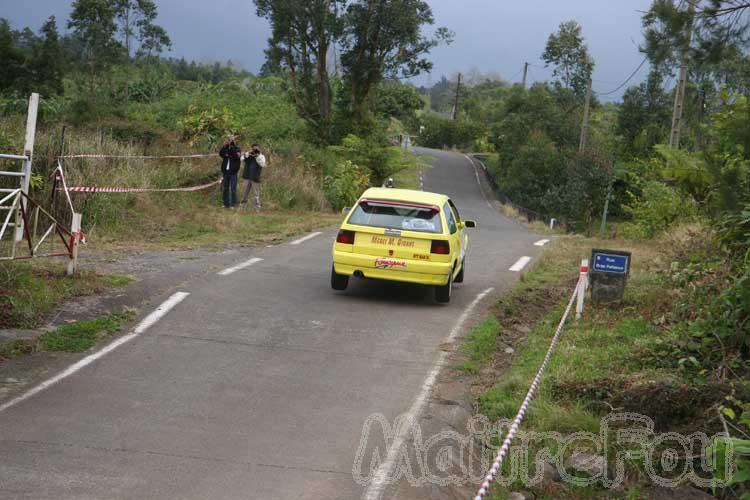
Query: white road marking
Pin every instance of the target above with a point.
(520, 264)
(147, 322)
(479, 183)
(240, 266)
(541, 243)
(305, 238)
(380, 480)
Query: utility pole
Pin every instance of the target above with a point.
(679, 95)
(455, 103)
(585, 124)
(525, 72)
(605, 212)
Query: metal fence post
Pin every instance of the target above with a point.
(583, 284)
(28, 151)
(75, 242)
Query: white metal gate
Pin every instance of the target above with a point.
(23, 219)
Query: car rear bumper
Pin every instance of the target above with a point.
(419, 272)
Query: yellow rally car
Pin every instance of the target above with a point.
(402, 235)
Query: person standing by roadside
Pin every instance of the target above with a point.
(255, 162)
(231, 160)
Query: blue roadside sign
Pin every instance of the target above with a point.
(609, 263)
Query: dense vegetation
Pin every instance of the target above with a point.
(695, 311)
(106, 83)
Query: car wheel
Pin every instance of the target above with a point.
(443, 293)
(460, 276)
(339, 281)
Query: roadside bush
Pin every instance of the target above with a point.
(346, 183)
(528, 175)
(658, 207)
(375, 154)
(131, 132)
(206, 128)
(441, 132)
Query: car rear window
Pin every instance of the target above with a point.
(392, 215)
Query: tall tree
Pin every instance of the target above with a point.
(48, 60)
(93, 23)
(301, 35)
(136, 23)
(717, 30)
(567, 52)
(384, 39)
(12, 58)
(643, 118)
(153, 40)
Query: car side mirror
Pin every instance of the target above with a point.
(345, 210)
(470, 223)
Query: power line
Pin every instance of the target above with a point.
(627, 80)
(514, 76)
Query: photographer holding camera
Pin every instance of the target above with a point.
(255, 161)
(230, 165)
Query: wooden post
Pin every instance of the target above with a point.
(679, 95)
(76, 240)
(28, 151)
(585, 124)
(455, 103)
(525, 73)
(606, 206)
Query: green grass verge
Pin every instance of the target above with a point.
(479, 345)
(15, 349)
(30, 290)
(78, 336)
(408, 178)
(212, 226)
(83, 335)
(598, 364)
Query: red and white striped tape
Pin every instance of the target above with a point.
(60, 173)
(484, 489)
(98, 189)
(137, 157)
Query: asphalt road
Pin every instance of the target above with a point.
(257, 385)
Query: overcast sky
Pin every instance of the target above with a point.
(494, 36)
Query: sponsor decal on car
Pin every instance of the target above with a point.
(393, 242)
(385, 263)
(392, 232)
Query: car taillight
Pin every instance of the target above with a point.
(441, 247)
(345, 237)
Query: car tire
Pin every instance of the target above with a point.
(443, 293)
(339, 281)
(460, 275)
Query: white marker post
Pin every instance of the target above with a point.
(28, 151)
(583, 284)
(75, 242)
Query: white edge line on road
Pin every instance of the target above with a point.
(541, 243)
(380, 480)
(305, 238)
(479, 183)
(520, 264)
(145, 323)
(242, 265)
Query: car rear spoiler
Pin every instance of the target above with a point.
(396, 203)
